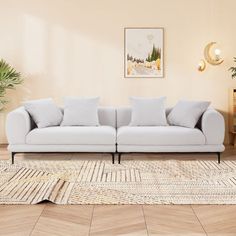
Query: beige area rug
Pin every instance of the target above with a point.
(132, 182)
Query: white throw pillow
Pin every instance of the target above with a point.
(148, 111)
(187, 113)
(80, 112)
(44, 112)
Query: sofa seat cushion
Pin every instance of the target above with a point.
(162, 135)
(80, 135)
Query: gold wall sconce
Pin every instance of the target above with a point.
(201, 65)
(213, 57)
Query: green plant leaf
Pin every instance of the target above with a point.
(233, 69)
(9, 78)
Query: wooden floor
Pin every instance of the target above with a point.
(168, 220)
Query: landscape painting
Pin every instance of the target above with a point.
(144, 52)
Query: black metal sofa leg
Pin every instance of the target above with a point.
(12, 157)
(218, 155)
(113, 158)
(119, 157)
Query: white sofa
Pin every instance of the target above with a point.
(24, 136)
(207, 136)
(115, 135)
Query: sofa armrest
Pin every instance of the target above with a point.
(213, 126)
(18, 125)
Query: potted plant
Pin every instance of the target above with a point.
(9, 78)
(233, 70)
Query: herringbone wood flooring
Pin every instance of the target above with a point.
(128, 220)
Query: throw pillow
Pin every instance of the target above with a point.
(148, 111)
(44, 112)
(80, 112)
(187, 113)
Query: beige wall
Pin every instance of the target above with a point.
(75, 47)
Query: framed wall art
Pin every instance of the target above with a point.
(144, 52)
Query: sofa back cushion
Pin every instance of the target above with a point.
(107, 116)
